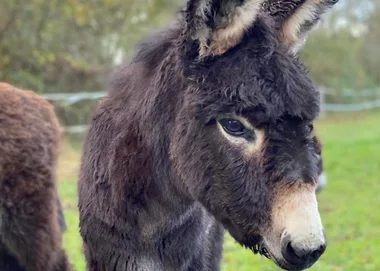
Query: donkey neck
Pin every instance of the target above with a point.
(174, 235)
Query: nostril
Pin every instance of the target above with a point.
(318, 252)
(300, 256)
(290, 250)
(291, 255)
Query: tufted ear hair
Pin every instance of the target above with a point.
(218, 25)
(296, 18)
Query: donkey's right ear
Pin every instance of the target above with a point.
(218, 25)
(296, 18)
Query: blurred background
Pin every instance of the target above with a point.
(65, 49)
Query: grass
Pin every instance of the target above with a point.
(349, 205)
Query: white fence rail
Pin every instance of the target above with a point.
(68, 99)
(72, 98)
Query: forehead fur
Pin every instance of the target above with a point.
(257, 74)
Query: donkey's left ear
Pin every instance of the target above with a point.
(297, 18)
(218, 25)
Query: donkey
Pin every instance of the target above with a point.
(209, 128)
(31, 217)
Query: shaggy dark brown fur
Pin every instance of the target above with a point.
(210, 127)
(30, 231)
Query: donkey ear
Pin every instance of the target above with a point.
(297, 18)
(218, 25)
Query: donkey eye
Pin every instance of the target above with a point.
(233, 127)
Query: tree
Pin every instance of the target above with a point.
(69, 45)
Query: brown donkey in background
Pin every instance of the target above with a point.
(210, 127)
(31, 219)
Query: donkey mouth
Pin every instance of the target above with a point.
(258, 246)
(262, 250)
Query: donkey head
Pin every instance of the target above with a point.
(243, 142)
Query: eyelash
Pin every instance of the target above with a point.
(240, 130)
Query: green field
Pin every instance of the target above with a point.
(349, 205)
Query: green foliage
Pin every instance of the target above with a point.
(348, 205)
(69, 45)
(371, 49)
(72, 45)
(335, 60)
